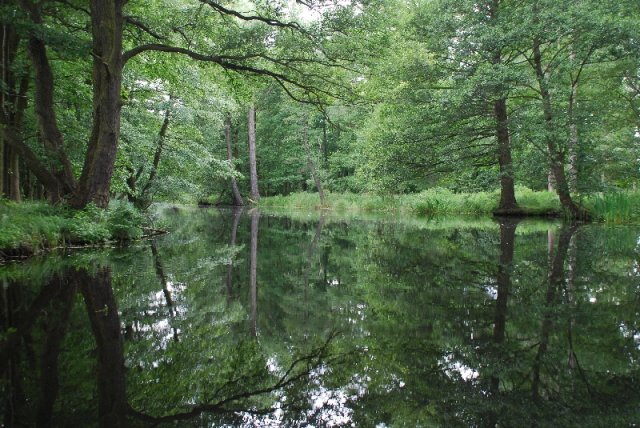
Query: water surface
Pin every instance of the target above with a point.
(256, 319)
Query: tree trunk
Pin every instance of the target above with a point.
(143, 200)
(14, 192)
(106, 27)
(2, 169)
(237, 198)
(253, 170)
(556, 156)
(508, 203)
(310, 164)
(48, 129)
(573, 132)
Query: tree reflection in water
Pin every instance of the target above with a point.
(358, 323)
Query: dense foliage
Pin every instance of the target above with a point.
(389, 97)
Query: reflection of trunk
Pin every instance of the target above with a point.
(232, 243)
(310, 251)
(54, 300)
(556, 277)
(570, 293)
(56, 329)
(310, 164)
(237, 198)
(165, 286)
(507, 244)
(105, 324)
(253, 271)
(253, 169)
(503, 281)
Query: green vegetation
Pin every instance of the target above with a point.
(617, 207)
(491, 325)
(423, 107)
(31, 227)
(435, 201)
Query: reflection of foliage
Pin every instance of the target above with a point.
(418, 301)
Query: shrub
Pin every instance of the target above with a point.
(124, 221)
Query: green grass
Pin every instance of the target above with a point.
(617, 207)
(30, 227)
(432, 202)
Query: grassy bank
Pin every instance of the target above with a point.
(619, 207)
(435, 201)
(31, 227)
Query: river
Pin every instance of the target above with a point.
(291, 319)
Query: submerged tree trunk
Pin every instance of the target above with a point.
(253, 170)
(237, 198)
(106, 26)
(310, 163)
(556, 155)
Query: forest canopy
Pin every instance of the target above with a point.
(226, 101)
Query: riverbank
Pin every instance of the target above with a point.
(30, 228)
(615, 208)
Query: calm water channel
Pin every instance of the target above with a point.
(248, 319)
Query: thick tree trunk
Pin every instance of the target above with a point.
(310, 164)
(508, 203)
(44, 104)
(253, 170)
(237, 198)
(106, 27)
(556, 156)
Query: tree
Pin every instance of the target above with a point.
(108, 21)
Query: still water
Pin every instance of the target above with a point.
(261, 319)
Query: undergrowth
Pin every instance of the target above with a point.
(29, 227)
(436, 201)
